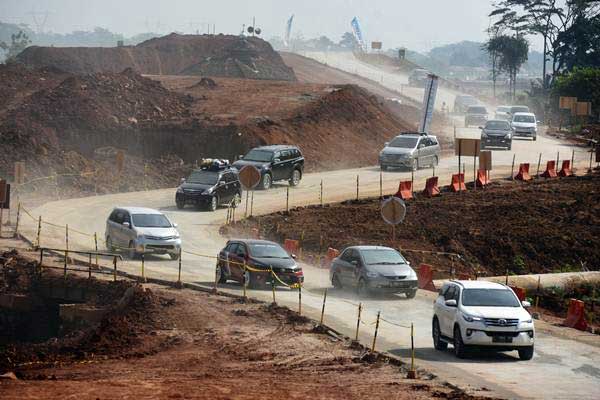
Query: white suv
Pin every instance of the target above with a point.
(486, 314)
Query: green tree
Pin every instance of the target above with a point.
(511, 53)
(348, 41)
(19, 42)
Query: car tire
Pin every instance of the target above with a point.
(250, 280)
(131, 251)
(220, 277)
(534, 138)
(335, 281)
(509, 148)
(459, 345)
(526, 353)
(436, 161)
(436, 333)
(214, 203)
(411, 294)
(361, 289)
(237, 200)
(296, 177)
(266, 181)
(180, 205)
(174, 256)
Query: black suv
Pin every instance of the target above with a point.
(275, 163)
(210, 186)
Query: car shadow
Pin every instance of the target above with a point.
(238, 286)
(349, 294)
(478, 355)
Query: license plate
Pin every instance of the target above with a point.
(502, 339)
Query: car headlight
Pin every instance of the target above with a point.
(372, 274)
(509, 136)
(141, 237)
(412, 275)
(470, 318)
(208, 191)
(484, 135)
(527, 321)
(179, 190)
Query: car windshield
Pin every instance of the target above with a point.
(524, 118)
(203, 177)
(497, 125)
(466, 100)
(267, 250)
(382, 257)
(259, 155)
(150, 221)
(503, 109)
(477, 110)
(489, 298)
(404, 142)
(518, 109)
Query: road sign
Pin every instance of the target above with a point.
(249, 177)
(428, 102)
(376, 45)
(467, 147)
(393, 210)
(566, 103)
(485, 160)
(584, 108)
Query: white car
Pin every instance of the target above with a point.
(503, 112)
(138, 230)
(524, 124)
(470, 314)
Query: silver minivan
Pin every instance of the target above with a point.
(138, 230)
(410, 150)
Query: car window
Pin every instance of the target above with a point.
(519, 109)
(203, 177)
(498, 125)
(477, 110)
(456, 295)
(433, 142)
(490, 298)
(449, 293)
(119, 217)
(347, 256)
(259, 155)
(150, 221)
(268, 250)
(524, 118)
(286, 155)
(382, 257)
(231, 248)
(404, 142)
(113, 216)
(241, 250)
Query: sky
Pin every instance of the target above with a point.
(416, 24)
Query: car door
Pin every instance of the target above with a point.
(112, 225)
(345, 268)
(230, 186)
(127, 233)
(420, 153)
(240, 258)
(446, 312)
(277, 167)
(116, 234)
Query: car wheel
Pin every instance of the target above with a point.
(214, 203)
(180, 205)
(361, 289)
(132, 253)
(174, 256)
(336, 282)
(237, 199)
(436, 161)
(438, 343)
(296, 176)
(509, 147)
(459, 345)
(220, 275)
(266, 182)
(384, 167)
(411, 294)
(249, 280)
(526, 353)
(535, 138)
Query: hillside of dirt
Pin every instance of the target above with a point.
(174, 54)
(169, 343)
(544, 226)
(128, 132)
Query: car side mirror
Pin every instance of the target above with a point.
(293, 256)
(182, 181)
(386, 144)
(175, 225)
(481, 127)
(126, 224)
(525, 304)
(240, 157)
(276, 160)
(451, 303)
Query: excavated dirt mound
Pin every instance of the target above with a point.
(545, 226)
(211, 55)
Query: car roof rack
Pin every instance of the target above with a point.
(214, 164)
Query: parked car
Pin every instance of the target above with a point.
(139, 230)
(476, 115)
(518, 109)
(524, 125)
(410, 150)
(496, 133)
(479, 313)
(503, 112)
(275, 163)
(210, 186)
(418, 77)
(258, 255)
(462, 102)
(372, 269)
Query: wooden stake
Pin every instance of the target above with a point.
(358, 321)
(376, 330)
(323, 308)
(538, 167)
(512, 168)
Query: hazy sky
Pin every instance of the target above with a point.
(416, 24)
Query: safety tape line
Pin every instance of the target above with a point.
(28, 214)
(83, 174)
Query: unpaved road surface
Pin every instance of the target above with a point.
(562, 368)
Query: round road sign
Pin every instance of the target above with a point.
(249, 177)
(393, 210)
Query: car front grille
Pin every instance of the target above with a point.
(500, 333)
(396, 278)
(161, 238)
(160, 246)
(501, 322)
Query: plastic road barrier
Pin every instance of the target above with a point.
(425, 276)
(566, 169)
(523, 174)
(550, 171)
(576, 315)
(482, 178)
(405, 190)
(431, 187)
(458, 183)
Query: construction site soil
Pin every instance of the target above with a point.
(126, 132)
(541, 226)
(174, 54)
(170, 343)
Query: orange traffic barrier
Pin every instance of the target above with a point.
(425, 276)
(431, 187)
(576, 315)
(463, 277)
(458, 183)
(482, 178)
(523, 174)
(550, 171)
(405, 190)
(520, 292)
(566, 169)
(291, 246)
